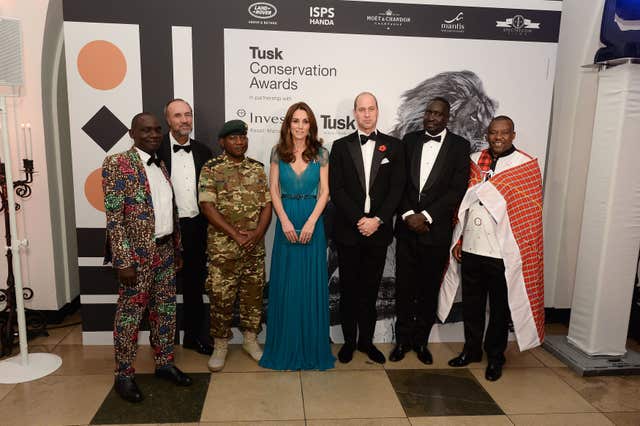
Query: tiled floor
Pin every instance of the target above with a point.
(536, 389)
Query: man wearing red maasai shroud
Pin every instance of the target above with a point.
(497, 251)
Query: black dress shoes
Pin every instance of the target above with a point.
(373, 353)
(424, 354)
(171, 373)
(127, 388)
(197, 345)
(398, 352)
(345, 355)
(493, 372)
(465, 358)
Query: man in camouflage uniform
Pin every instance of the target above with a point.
(234, 197)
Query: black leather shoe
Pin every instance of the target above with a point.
(127, 388)
(345, 355)
(197, 345)
(493, 372)
(465, 358)
(424, 354)
(171, 373)
(398, 352)
(373, 353)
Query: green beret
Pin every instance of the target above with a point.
(233, 127)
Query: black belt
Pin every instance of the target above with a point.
(163, 240)
(299, 196)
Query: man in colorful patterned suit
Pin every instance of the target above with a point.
(143, 245)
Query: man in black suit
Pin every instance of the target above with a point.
(438, 166)
(366, 179)
(184, 158)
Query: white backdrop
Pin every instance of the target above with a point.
(517, 75)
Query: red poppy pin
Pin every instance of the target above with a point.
(382, 148)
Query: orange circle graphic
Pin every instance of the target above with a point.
(102, 65)
(93, 190)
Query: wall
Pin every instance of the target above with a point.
(569, 146)
(40, 219)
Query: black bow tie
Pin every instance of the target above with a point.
(153, 160)
(364, 138)
(429, 138)
(176, 148)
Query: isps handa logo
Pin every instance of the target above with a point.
(320, 15)
(262, 13)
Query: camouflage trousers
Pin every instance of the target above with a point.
(231, 279)
(155, 289)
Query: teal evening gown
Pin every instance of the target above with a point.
(298, 309)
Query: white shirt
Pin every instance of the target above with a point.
(161, 197)
(430, 151)
(183, 178)
(367, 158)
(479, 232)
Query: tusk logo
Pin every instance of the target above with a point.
(458, 17)
(262, 10)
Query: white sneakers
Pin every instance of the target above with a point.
(221, 348)
(251, 346)
(219, 355)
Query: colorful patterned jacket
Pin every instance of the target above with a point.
(129, 209)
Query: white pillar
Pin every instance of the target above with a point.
(610, 235)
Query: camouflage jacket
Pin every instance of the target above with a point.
(239, 192)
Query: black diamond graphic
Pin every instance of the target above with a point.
(105, 129)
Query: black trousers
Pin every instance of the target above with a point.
(361, 269)
(192, 276)
(419, 270)
(482, 276)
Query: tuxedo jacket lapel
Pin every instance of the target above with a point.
(375, 162)
(416, 158)
(356, 156)
(166, 152)
(439, 164)
(197, 159)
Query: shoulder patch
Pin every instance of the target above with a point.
(252, 161)
(214, 161)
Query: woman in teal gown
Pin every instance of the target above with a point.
(298, 309)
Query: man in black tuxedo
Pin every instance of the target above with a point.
(438, 171)
(184, 158)
(366, 179)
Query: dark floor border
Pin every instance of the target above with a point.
(56, 317)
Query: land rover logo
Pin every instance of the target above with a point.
(262, 10)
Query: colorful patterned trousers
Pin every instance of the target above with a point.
(155, 289)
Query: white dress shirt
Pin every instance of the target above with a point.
(183, 178)
(367, 158)
(479, 232)
(430, 151)
(161, 197)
